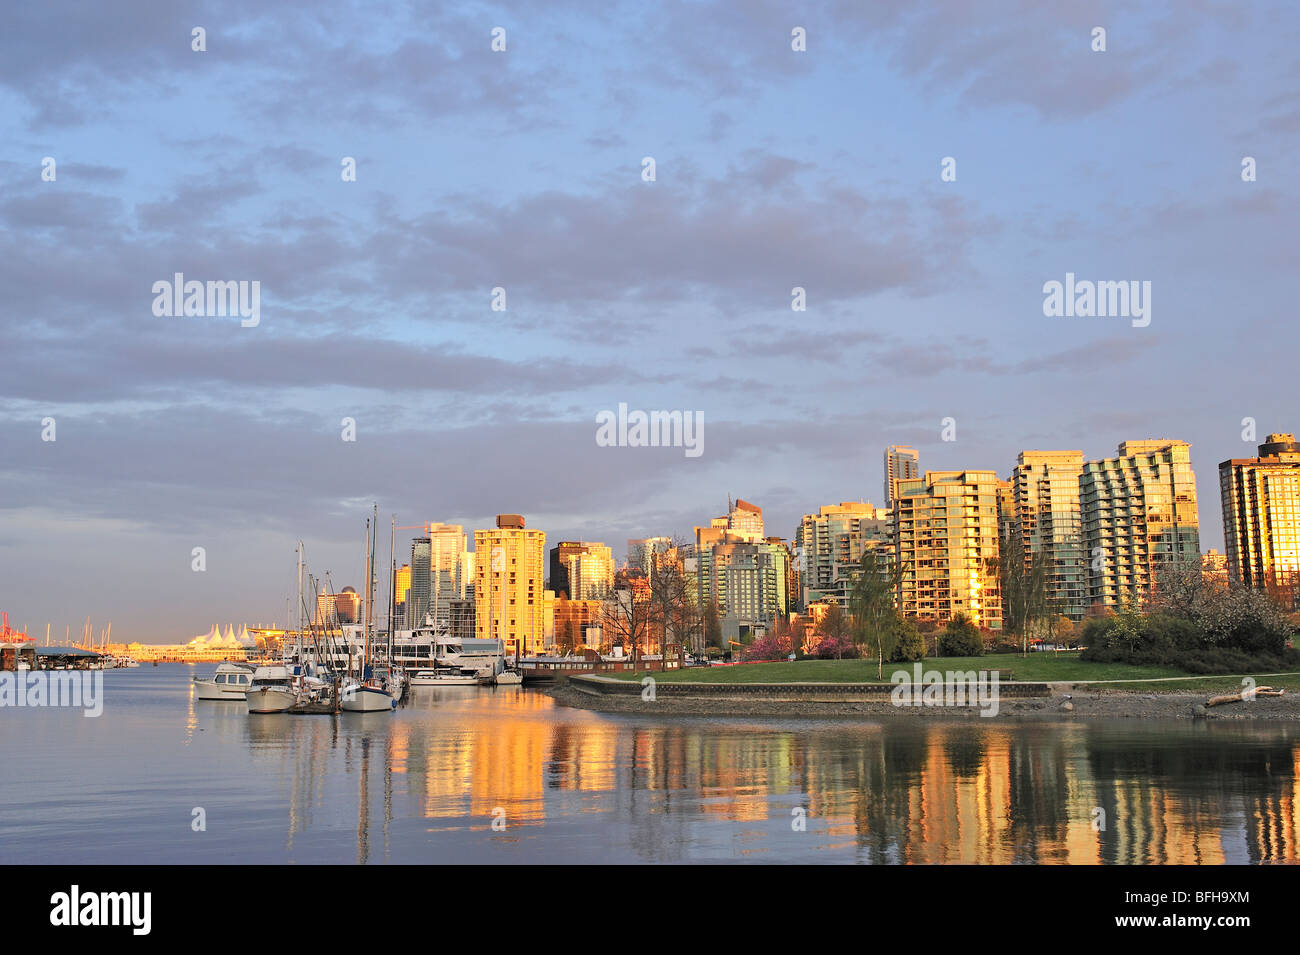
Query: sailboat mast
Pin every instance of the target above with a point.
(370, 580)
(365, 616)
(392, 583)
(300, 597)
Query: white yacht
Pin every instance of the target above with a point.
(444, 676)
(271, 690)
(431, 656)
(370, 697)
(230, 682)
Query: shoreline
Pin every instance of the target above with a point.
(1082, 704)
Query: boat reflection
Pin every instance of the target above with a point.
(429, 780)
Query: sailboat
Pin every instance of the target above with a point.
(371, 692)
(275, 688)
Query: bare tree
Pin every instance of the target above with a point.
(626, 615)
(669, 592)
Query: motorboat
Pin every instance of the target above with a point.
(431, 656)
(444, 676)
(230, 682)
(271, 690)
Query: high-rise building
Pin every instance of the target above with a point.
(733, 566)
(591, 572)
(439, 573)
(401, 590)
(946, 546)
(830, 543)
(1046, 524)
(748, 579)
(901, 464)
(746, 520)
(641, 551)
(447, 567)
(335, 609)
(417, 600)
(578, 623)
(581, 570)
(462, 617)
(1139, 514)
(558, 577)
(509, 580)
(1261, 514)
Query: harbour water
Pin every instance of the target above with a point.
(507, 776)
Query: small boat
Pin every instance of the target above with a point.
(510, 678)
(230, 682)
(373, 689)
(371, 697)
(271, 690)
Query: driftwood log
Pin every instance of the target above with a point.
(1243, 695)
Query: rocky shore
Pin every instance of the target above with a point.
(1067, 702)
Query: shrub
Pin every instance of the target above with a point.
(829, 647)
(961, 638)
(1235, 632)
(909, 644)
(770, 646)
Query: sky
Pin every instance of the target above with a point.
(523, 169)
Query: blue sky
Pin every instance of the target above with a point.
(522, 169)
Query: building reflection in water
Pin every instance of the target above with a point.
(907, 791)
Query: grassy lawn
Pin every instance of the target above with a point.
(1036, 667)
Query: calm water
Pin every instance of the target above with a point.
(423, 785)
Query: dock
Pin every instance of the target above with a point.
(312, 708)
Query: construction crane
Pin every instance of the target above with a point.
(8, 633)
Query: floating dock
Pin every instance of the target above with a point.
(312, 709)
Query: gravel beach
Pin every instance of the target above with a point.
(1067, 702)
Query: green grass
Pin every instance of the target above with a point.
(1036, 667)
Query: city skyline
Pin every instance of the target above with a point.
(745, 522)
(523, 170)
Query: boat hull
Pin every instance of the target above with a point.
(206, 690)
(367, 699)
(443, 679)
(269, 700)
